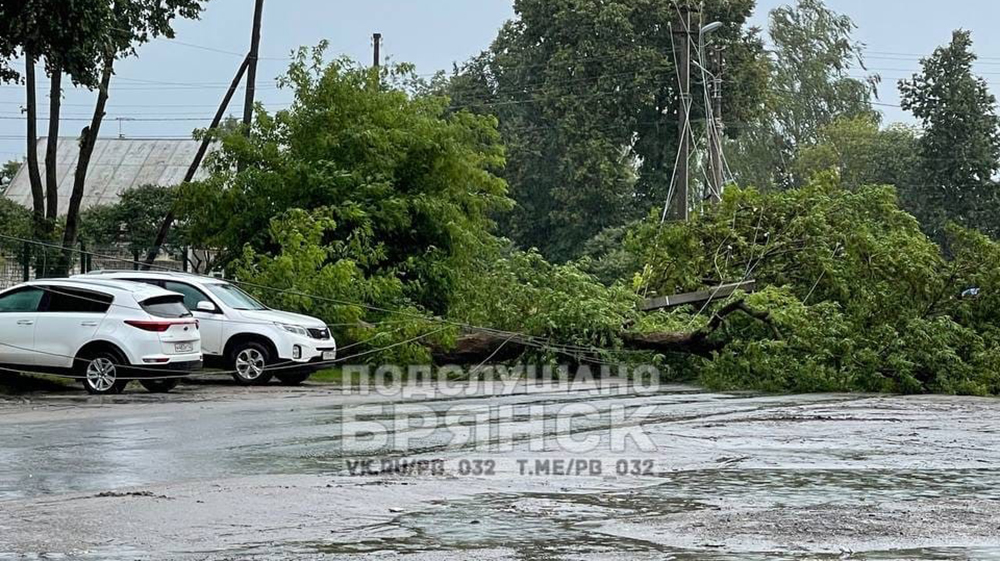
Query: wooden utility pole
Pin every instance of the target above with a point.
(377, 42)
(252, 68)
(682, 42)
(715, 131)
(168, 220)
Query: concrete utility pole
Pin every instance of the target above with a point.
(252, 68)
(715, 133)
(377, 42)
(682, 42)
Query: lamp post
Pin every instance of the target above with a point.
(715, 123)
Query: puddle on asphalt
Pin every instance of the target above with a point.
(555, 526)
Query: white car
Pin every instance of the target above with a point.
(239, 333)
(104, 332)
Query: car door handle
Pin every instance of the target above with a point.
(26, 322)
(88, 323)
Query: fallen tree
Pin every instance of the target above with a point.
(477, 345)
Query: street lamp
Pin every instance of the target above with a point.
(710, 28)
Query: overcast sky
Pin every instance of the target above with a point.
(183, 80)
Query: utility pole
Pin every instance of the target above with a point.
(252, 68)
(168, 220)
(682, 42)
(715, 131)
(377, 41)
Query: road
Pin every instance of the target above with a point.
(219, 472)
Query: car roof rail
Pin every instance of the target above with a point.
(179, 274)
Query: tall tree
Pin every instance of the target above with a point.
(809, 87)
(587, 99)
(393, 187)
(66, 37)
(960, 147)
(862, 153)
(130, 24)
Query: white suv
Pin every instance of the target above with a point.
(104, 332)
(254, 342)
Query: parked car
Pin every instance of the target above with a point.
(105, 332)
(239, 333)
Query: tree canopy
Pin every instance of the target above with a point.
(960, 146)
(809, 87)
(587, 100)
(399, 189)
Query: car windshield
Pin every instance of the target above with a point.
(234, 297)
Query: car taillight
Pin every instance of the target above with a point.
(158, 326)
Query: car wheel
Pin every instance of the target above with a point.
(248, 362)
(294, 379)
(160, 386)
(100, 372)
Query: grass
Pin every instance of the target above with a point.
(328, 376)
(16, 383)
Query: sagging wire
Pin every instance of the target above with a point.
(527, 340)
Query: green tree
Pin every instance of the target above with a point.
(15, 220)
(83, 39)
(809, 88)
(404, 189)
(585, 93)
(132, 222)
(128, 24)
(960, 147)
(852, 294)
(63, 35)
(862, 153)
(7, 173)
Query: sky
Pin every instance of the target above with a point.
(176, 85)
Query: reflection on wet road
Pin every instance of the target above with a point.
(734, 477)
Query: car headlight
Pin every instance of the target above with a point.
(296, 329)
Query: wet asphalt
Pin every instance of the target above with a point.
(215, 471)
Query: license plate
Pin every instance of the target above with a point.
(183, 347)
(329, 355)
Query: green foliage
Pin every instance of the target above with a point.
(520, 291)
(960, 147)
(325, 279)
(857, 297)
(408, 187)
(586, 96)
(606, 257)
(15, 220)
(809, 87)
(77, 37)
(132, 222)
(7, 173)
(862, 154)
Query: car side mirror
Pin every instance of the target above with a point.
(206, 306)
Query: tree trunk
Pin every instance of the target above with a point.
(88, 138)
(51, 178)
(478, 345)
(37, 192)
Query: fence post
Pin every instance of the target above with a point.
(184, 260)
(135, 260)
(26, 262)
(83, 258)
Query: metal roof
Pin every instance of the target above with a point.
(117, 164)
